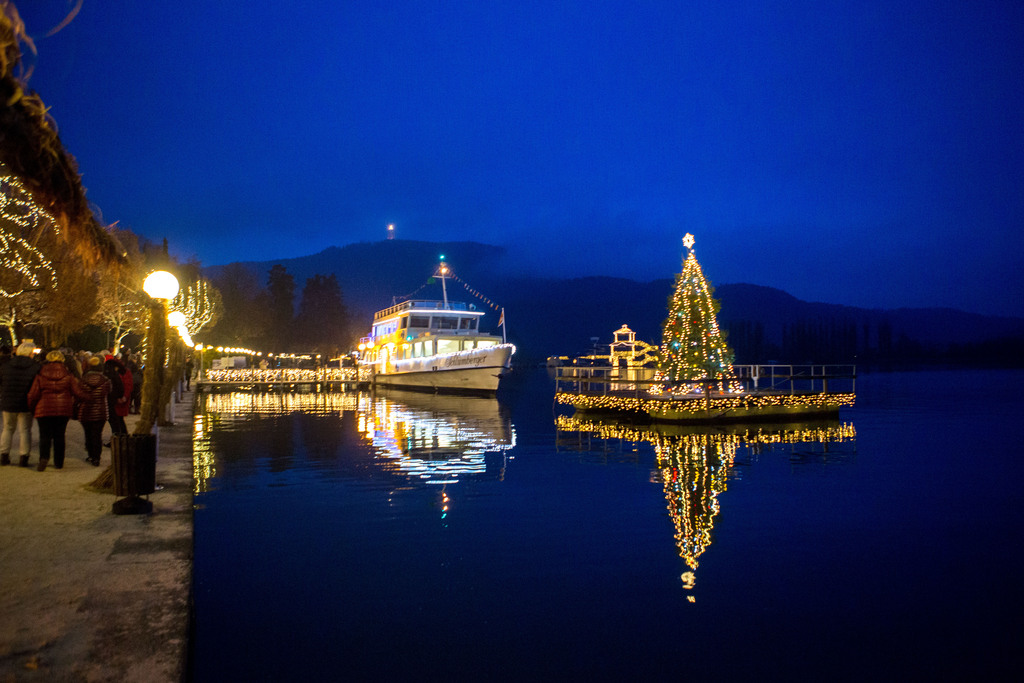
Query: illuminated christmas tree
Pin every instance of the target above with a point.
(692, 346)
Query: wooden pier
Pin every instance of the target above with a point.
(283, 379)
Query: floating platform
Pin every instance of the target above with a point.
(770, 393)
(747, 407)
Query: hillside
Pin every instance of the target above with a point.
(552, 316)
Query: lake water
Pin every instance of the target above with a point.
(346, 536)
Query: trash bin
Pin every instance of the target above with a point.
(133, 459)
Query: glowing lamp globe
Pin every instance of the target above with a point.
(161, 285)
(176, 318)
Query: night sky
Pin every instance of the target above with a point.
(864, 153)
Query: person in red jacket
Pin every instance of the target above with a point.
(92, 410)
(52, 399)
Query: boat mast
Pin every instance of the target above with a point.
(442, 272)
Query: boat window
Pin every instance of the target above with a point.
(484, 343)
(419, 321)
(447, 345)
(444, 323)
(467, 323)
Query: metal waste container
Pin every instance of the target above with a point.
(133, 459)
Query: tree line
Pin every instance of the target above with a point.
(265, 316)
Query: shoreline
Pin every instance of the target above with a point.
(86, 594)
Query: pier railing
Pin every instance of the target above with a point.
(758, 378)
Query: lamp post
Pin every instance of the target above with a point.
(133, 456)
(161, 286)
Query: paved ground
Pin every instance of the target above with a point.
(86, 595)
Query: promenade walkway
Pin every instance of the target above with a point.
(86, 595)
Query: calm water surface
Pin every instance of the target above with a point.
(346, 536)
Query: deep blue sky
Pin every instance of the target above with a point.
(866, 153)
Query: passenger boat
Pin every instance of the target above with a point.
(437, 346)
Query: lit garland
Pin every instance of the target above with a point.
(281, 375)
(700, 407)
(692, 347)
(22, 222)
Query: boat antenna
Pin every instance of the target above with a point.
(443, 273)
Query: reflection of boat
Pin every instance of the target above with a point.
(435, 439)
(435, 346)
(694, 464)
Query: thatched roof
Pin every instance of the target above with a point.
(31, 150)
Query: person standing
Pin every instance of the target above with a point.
(16, 376)
(92, 411)
(115, 372)
(134, 365)
(52, 399)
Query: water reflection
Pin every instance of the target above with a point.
(424, 438)
(695, 464)
(435, 439)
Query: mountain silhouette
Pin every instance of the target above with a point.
(560, 316)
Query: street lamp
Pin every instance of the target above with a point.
(133, 457)
(161, 285)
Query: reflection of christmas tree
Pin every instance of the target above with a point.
(693, 472)
(692, 346)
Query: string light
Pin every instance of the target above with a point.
(24, 267)
(742, 406)
(201, 303)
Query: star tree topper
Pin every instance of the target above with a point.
(688, 241)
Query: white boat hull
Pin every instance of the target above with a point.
(473, 371)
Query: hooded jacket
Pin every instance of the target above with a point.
(16, 377)
(95, 387)
(53, 391)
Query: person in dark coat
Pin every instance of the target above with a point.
(71, 363)
(16, 376)
(134, 367)
(92, 408)
(52, 399)
(115, 371)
